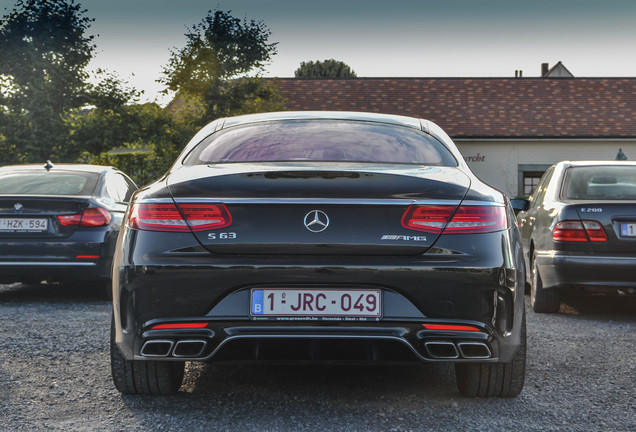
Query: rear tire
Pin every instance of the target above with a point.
(143, 377)
(494, 379)
(542, 300)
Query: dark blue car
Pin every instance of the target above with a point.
(60, 223)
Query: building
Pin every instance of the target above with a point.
(508, 129)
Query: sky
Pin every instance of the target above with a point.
(388, 38)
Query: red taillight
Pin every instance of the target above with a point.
(579, 231)
(450, 327)
(466, 220)
(90, 217)
(176, 326)
(168, 217)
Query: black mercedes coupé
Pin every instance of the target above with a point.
(319, 237)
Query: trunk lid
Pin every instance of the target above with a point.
(618, 219)
(298, 209)
(36, 216)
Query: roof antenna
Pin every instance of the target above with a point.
(48, 165)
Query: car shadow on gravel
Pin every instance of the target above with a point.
(51, 293)
(337, 383)
(599, 306)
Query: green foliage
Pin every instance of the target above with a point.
(43, 55)
(101, 129)
(212, 69)
(49, 109)
(242, 96)
(326, 68)
(141, 163)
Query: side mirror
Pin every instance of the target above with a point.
(520, 204)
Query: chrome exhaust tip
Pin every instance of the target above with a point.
(441, 350)
(189, 348)
(157, 348)
(474, 350)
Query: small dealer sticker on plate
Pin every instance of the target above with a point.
(326, 304)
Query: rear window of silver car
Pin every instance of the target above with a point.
(321, 140)
(600, 183)
(47, 183)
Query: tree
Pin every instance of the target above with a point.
(43, 57)
(220, 66)
(326, 68)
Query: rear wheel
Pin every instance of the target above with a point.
(494, 379)
(143, 377)
(542, 300)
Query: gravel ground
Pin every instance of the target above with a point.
(55, 375)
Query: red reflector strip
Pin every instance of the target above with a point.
(87, 256)
(450, 327)
(179, 326)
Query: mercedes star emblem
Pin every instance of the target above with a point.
(316, 221)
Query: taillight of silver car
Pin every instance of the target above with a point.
(579, 231)
(179, 218)
(467, 219)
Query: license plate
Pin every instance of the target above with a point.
(628, 230)
(23, 225)
(320, 303)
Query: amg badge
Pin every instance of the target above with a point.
(403, 237)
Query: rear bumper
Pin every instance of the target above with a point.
(490, 300)
(561, 270)
(240, 341)
(84, 255)
(183, 285)
(59, 270)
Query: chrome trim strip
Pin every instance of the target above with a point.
(319, 201)
(52, 264)
(593, 258)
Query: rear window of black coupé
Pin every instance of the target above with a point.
(321, 140)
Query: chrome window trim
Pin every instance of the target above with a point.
(318, 201)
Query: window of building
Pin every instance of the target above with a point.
(530, 181)
(529, 176)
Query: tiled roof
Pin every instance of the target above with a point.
(482, 107)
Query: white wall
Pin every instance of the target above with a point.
(497, 162)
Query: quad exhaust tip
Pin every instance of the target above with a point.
(441, 350)
(474, 350)
(189, 348)
(465, 350)
(169, 348)
(157, 348)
